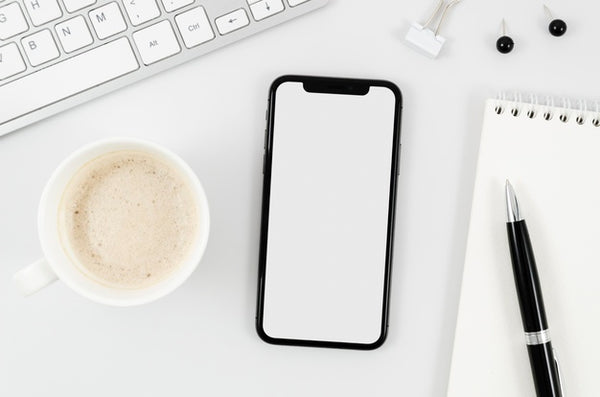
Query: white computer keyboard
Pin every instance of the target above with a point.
(55, 54)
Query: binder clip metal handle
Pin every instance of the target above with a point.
(423, 37)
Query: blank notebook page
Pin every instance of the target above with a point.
(554, 167)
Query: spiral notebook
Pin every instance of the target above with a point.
(552, 157)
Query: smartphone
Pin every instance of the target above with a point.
(330, 170)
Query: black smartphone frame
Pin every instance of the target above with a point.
(341, 86)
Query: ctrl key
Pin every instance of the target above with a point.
(194, 27)
(11, 61)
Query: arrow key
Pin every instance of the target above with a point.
(233, 21)
(265, 8)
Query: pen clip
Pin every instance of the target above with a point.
(560, 382)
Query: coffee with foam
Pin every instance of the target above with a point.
(128, 219)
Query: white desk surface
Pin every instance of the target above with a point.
(200, 340)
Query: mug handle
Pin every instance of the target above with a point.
(34, 277)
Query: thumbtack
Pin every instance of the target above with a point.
(504, 44)
(557, 27)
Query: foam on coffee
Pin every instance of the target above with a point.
(128, 219)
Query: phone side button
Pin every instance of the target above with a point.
(398, 163)
(266, 135)
(264, 160)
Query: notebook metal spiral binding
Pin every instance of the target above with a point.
(532, 108)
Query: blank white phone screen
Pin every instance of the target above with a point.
(328, 214)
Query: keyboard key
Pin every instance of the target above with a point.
(73, 34)
(84, 71)
(40, 47)
(194, 27)
(172, 5)
(265, 8)
(107, 20)
(66, 74)
(42, 11)
(233, 21)
(156, 42)
(11, 61)
(76, 5)
(141, 11)
(294, 3)
(12, 21)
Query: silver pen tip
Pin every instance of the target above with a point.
(512, 204)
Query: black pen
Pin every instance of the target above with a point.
(544, 367)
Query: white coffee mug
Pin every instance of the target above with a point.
(57, 264)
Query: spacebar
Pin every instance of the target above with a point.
(66, 78)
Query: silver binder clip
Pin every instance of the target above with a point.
(423, 38)
(560, 382)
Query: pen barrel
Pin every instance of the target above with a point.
(544, 370)
(526, 277)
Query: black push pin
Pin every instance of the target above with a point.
(504, 44)
(557, 27)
